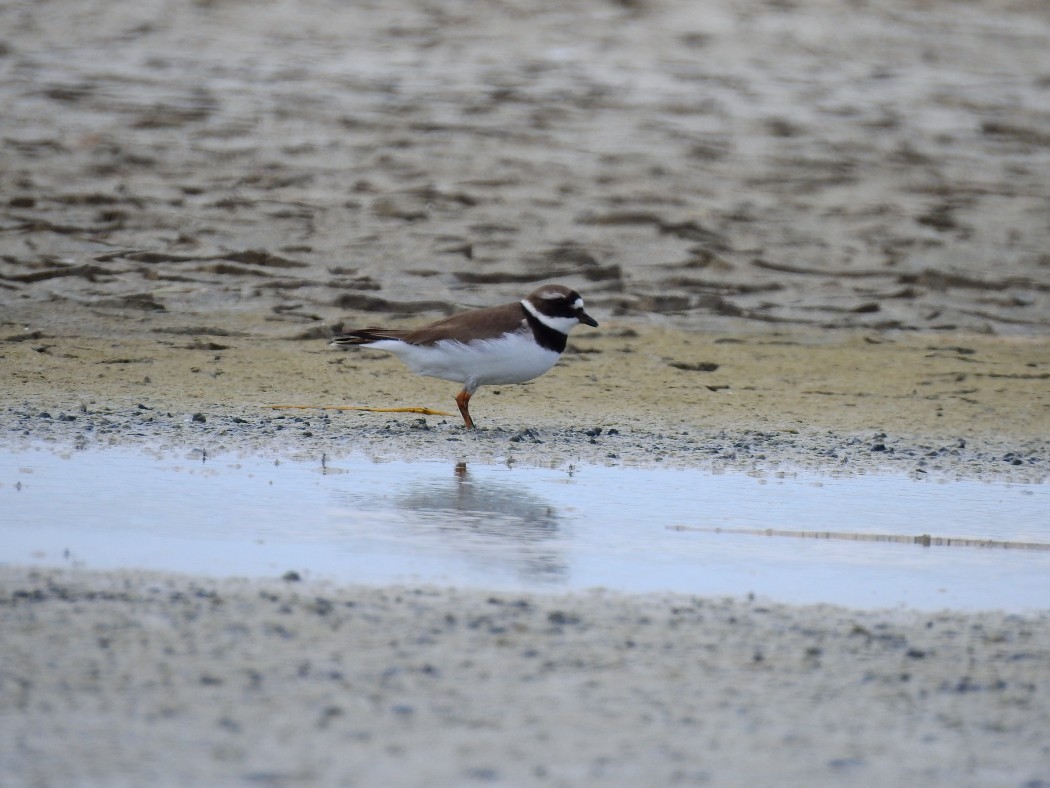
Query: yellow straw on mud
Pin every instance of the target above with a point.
(421, 411)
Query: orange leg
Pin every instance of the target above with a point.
(463, 400)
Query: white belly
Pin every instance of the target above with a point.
(514, 358)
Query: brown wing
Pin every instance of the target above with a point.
(477, 324)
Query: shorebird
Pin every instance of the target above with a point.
(511, 343)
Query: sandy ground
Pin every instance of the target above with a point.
(134, 679)
(972, 406)
(815, 234)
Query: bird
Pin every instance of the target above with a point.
(510, 343)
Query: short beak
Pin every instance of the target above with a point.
(583, 317)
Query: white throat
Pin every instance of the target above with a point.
(563, 325)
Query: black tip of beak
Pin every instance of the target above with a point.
(583, 317)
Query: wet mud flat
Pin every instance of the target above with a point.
(803, 163)
(118, 676)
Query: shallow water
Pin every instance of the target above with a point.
(359, 520)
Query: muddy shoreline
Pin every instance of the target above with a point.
(954, 407)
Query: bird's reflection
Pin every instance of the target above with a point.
(494, 524)
(494, 521)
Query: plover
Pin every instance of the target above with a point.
(511, 343)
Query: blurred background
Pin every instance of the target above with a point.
(709, 164)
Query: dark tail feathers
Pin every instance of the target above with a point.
(366, 336)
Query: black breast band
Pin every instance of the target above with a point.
(546, 336)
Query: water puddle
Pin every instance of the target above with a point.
(863, 541)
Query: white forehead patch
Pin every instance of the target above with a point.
(577, 304)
